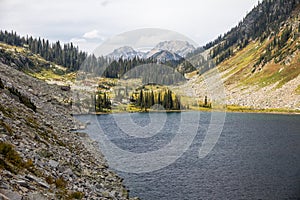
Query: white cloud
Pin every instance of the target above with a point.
(94, 34)
(77, 40)
(96, 20)
(88, 42)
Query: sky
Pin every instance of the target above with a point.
(90, 23)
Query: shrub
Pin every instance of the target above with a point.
(76, 195)
(9, 156)
(49, 179)
(60, 183)
(28, 164)
(6, 127)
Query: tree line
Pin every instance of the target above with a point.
(73, 59)
(146, 99)
(66, 55)
(149, 70)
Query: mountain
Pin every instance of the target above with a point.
(264, 20)
(258, 60)
(125, 52)
(182, 48)
(164, 56)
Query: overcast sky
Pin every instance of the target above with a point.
(88, 23)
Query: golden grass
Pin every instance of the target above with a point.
(237, 108)
(298, 90)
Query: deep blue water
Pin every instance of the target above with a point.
(257, 156)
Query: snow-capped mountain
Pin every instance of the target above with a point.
(166, 56)
(181, 48)
(170, 49)
(125, 52)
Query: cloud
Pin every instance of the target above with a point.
(145, 38)
(97, 20)
(88, 42)
(77, 40)
(94, 34)
(104, 3)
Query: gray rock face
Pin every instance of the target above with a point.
(53, 163)
(125, 52)
(181, 48)
(57, 163)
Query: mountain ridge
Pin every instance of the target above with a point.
(125, 52)
(181, 48)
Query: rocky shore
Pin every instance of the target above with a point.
(40, 156)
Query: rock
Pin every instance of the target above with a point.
(22, 183)
(36, 196)
(45, 185)
(53, 153)
(68, 172)
(4, 185)
(82, 134)
(30, 177)
(53, 163)
(23, 189)
(3, 197)
(7, 194)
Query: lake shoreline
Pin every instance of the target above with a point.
(251, 111)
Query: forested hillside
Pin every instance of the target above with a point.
(260, 23)
(70, 57)
(264, 20)
(66, 55)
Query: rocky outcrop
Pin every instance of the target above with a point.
(40, 157)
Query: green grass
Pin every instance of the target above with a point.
(242, 59)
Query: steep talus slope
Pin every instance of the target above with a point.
(40, 158)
